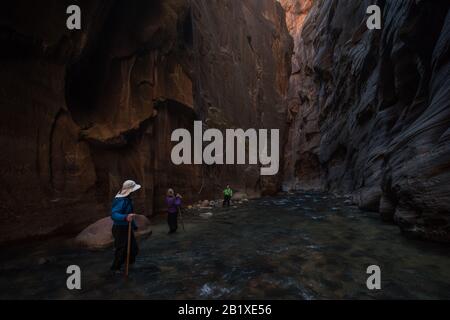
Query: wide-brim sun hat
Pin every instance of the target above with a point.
(128, 187)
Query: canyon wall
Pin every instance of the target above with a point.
(307, 175)
(371, 113)
(82, 111)
(242, 54)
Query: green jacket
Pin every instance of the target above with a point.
(228, 192)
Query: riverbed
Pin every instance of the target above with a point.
(293, 246)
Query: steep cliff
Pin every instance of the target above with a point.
(84, 110)
(296, 14)
(78, 107)
(373, 110)
(242, 54)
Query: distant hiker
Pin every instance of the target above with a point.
(227, 194)
(122, 213)
(173, 204)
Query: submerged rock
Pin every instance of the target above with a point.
(98, 235)
(206, 215)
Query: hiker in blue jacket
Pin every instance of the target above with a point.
(122, 213)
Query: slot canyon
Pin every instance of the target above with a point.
(364, 115)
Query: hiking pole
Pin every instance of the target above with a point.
(181, 218)
(128, 249)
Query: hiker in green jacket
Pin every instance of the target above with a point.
(227, 194)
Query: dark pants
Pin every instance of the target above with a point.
(172, 220)
(226, 201)
(120, 234)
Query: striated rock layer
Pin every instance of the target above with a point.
(84, 110)
(371, 114)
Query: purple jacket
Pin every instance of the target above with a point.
(173, 204)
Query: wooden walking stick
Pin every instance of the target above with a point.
(127, 265)
(181, 218)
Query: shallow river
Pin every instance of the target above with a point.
(302, 246)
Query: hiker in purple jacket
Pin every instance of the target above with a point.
(173, 203)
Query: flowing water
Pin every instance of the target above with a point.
(297, 246)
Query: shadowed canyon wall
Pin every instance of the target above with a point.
(370, 114)
(242, 77)
(81, 111)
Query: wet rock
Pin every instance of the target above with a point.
(205, 203)
(369, 198)
(98, 235)
(206, 215)
(238, 196)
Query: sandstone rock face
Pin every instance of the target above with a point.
(242, 53)
(298, 135)
(372, 110)
(98, 235)
(82, 111)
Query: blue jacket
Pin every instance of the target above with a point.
(121, 207)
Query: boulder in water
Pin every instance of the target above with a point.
(98, 235)
(238, 196)
(205, 203)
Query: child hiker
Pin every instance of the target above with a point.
(122, 213)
